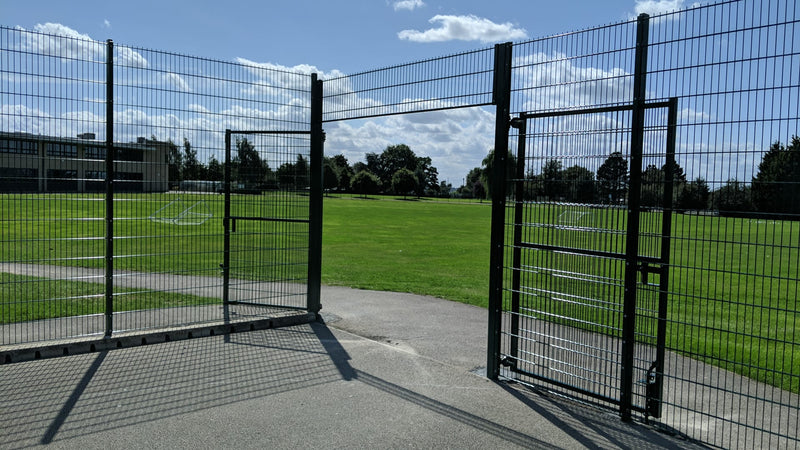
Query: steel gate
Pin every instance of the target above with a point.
(585, 252)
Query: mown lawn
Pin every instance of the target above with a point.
(733, 282)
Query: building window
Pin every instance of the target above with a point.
(18, 180)
(61, 150)
(95, 175)
(92, 152)
(19, 147)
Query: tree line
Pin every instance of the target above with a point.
(773, 192)
(249, 172)
(396, 170)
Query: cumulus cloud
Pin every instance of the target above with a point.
(177, 82)
(655, 7)
(456, 140)
(464, 28)
(409, 5)
(77, 45)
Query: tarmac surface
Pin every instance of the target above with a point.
(385, 370)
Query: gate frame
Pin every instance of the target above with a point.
(640, 263)
(316, 150)
(502, 89)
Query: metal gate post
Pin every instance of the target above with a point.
(226, 222)
(109, 257)
(315, 202)
(501, 97)
(520, 123)
(632, 238)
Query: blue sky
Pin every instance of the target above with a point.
(345, 36)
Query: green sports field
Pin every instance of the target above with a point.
(734, 281)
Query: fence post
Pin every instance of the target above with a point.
(226, 222)
(109, 257)
(501, 97)
(315, 203)
(521, 124)
(634, 202)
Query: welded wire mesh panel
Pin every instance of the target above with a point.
(578, 70)
(733, 331)
(169, 234)
(728, 237)
(464, 79)
(566, 251)
(51, 227)
(269, 208)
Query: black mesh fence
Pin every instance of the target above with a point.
(716, 274)
(95, 243)
(649, 247)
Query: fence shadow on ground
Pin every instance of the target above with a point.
(59, 399)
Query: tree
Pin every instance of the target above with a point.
(192, 168)
(394, 158)
(427, 177)
(403, 182)
(249, 168)
(445, 188)
(174, 161)
(344, 172)
(487, 174)
(215, 171)
(612, 179)
(365, 183)
(733, 199)
(776, 188)
(579, 186)
(479, 190)
(329, 178)
(302, 173)
(652, 187)
(551, 176)
(694, 196)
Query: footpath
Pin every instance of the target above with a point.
(385, 370)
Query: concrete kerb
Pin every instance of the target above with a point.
(41, 350)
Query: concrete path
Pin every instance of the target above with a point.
(387, 371)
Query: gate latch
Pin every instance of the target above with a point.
(646, 269)
(653, 391)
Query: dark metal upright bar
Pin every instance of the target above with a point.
(315, 203)
(634, 203)
(656, 390)
(502, 99)
(109, 257)
(226, 222)
(519, 209)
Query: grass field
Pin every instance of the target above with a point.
(27, 298)
(733, 284)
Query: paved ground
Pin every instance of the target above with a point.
(385, 371)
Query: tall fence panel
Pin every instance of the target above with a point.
(716, 276)
(52, 92)
(111, 182)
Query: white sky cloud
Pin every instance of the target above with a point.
(79, 46)
(656, 7)
(107, 24)
(464, 28)
(177, 82)
(409, 5)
